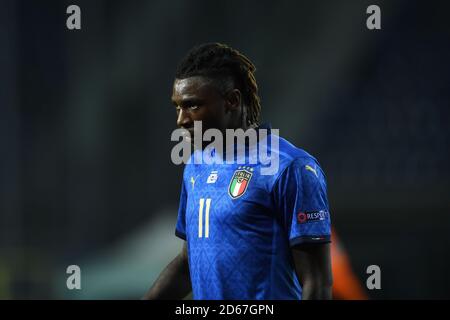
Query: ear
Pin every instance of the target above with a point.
(234, 100)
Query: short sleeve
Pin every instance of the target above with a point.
(300, 195)
(180, 230)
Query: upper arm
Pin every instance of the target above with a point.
(313, 264)
(184, 253)
(180, 229)
(183, 258)
(301, 199)
(302, 203)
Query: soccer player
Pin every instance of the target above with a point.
(247, 235)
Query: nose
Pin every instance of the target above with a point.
(184, 119)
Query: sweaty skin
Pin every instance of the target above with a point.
(198, 99)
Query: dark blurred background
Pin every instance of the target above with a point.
(85, 124)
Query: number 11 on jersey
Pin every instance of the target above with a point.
(200, 217)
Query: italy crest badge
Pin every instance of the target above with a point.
(239, 182)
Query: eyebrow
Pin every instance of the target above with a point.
(187, 101)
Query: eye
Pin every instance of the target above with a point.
(194, 107)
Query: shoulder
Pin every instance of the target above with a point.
(295, 164)
(293, 156)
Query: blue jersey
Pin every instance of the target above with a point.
(240, 225)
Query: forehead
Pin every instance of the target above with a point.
(197, 86)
